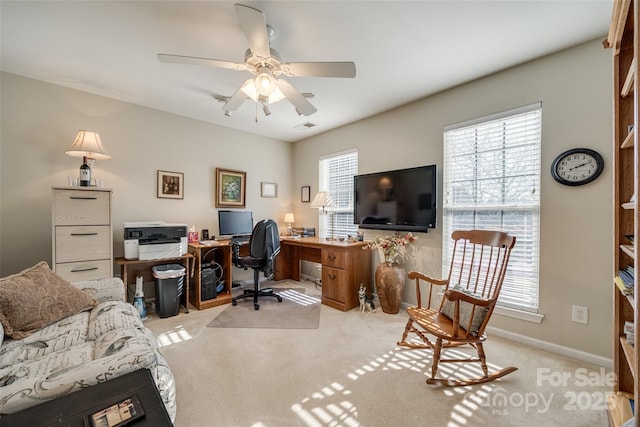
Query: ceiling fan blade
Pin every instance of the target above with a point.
(320, 69)
(254, 25)
(193, 60)
(237, 98)
(300, 102)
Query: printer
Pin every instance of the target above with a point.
(154, 240)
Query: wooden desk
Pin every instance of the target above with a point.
(345, 265)
(135, 268)
(218, 251)
(71, 410)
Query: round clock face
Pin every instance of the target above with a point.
(577, 166)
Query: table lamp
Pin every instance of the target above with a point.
(89, 146)
(289, 219)
(322, 201)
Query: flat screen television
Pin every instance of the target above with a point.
(400, 200)
(235, 223)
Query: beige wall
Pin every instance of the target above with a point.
(39, 122)
(576, 223)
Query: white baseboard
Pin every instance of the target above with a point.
(554, 348)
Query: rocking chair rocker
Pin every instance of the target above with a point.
(478, 266)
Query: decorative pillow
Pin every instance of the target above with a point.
(37, 297)
(448, 309)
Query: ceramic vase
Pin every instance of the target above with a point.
(389, 286)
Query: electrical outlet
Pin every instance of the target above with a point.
(580, 314)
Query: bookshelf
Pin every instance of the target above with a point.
(624, 42)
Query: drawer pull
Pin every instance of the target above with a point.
(82, 270)
(84, 234)
(332, 276)
(332, 257)
(83, 198)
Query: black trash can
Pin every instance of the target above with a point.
(169, 286)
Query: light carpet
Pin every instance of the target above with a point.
(296, 311)
(350, 372)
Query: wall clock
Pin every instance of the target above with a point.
(577, 166)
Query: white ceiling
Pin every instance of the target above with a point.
(403, 50)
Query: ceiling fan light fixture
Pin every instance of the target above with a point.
(265, 83)
(250, 89)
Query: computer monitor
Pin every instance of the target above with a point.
(235, 223)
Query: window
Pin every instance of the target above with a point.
(336, 177)
(491, 180)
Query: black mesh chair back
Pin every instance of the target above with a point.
(264, 246)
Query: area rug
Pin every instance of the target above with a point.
(296, 311)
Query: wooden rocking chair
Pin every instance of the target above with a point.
(479, 263)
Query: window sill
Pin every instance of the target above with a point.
(519, 314)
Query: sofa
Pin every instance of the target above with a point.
(57, 338)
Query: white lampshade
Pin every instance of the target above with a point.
(265, 83)
(289, 218)
(322, 200)
(88, 144)
(249, 88)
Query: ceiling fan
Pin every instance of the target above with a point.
(265, 64)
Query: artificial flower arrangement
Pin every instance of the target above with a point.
(391, 247)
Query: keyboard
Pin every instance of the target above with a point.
(241, 239)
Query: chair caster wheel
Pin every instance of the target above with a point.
(234, 303)
(279, 299)
(256, 306)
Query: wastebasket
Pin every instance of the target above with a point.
(169, 286)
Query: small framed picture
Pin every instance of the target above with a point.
(119, 414)
(170, 185)
(268, 189)
(230, 188)
(305, 193)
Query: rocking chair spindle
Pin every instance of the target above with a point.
(478, 266)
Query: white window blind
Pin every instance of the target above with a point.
(336, 177)
(491, 180)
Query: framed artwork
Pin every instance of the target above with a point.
(305, 193)
(170, 185)
(230, 188)
(268, 189)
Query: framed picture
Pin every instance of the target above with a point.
(230, 188)
(305, 193)
(268, 189)
(170, 185)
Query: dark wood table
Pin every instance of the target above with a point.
(73, 409)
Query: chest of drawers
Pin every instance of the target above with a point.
(82, 233)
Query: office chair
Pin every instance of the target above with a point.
(264, 246)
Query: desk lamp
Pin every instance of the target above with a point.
(289, 219)
(322, 201)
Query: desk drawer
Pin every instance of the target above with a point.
(84, 270)
(333, 258)
(334, 283)
(81, 207)
(82, 243)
